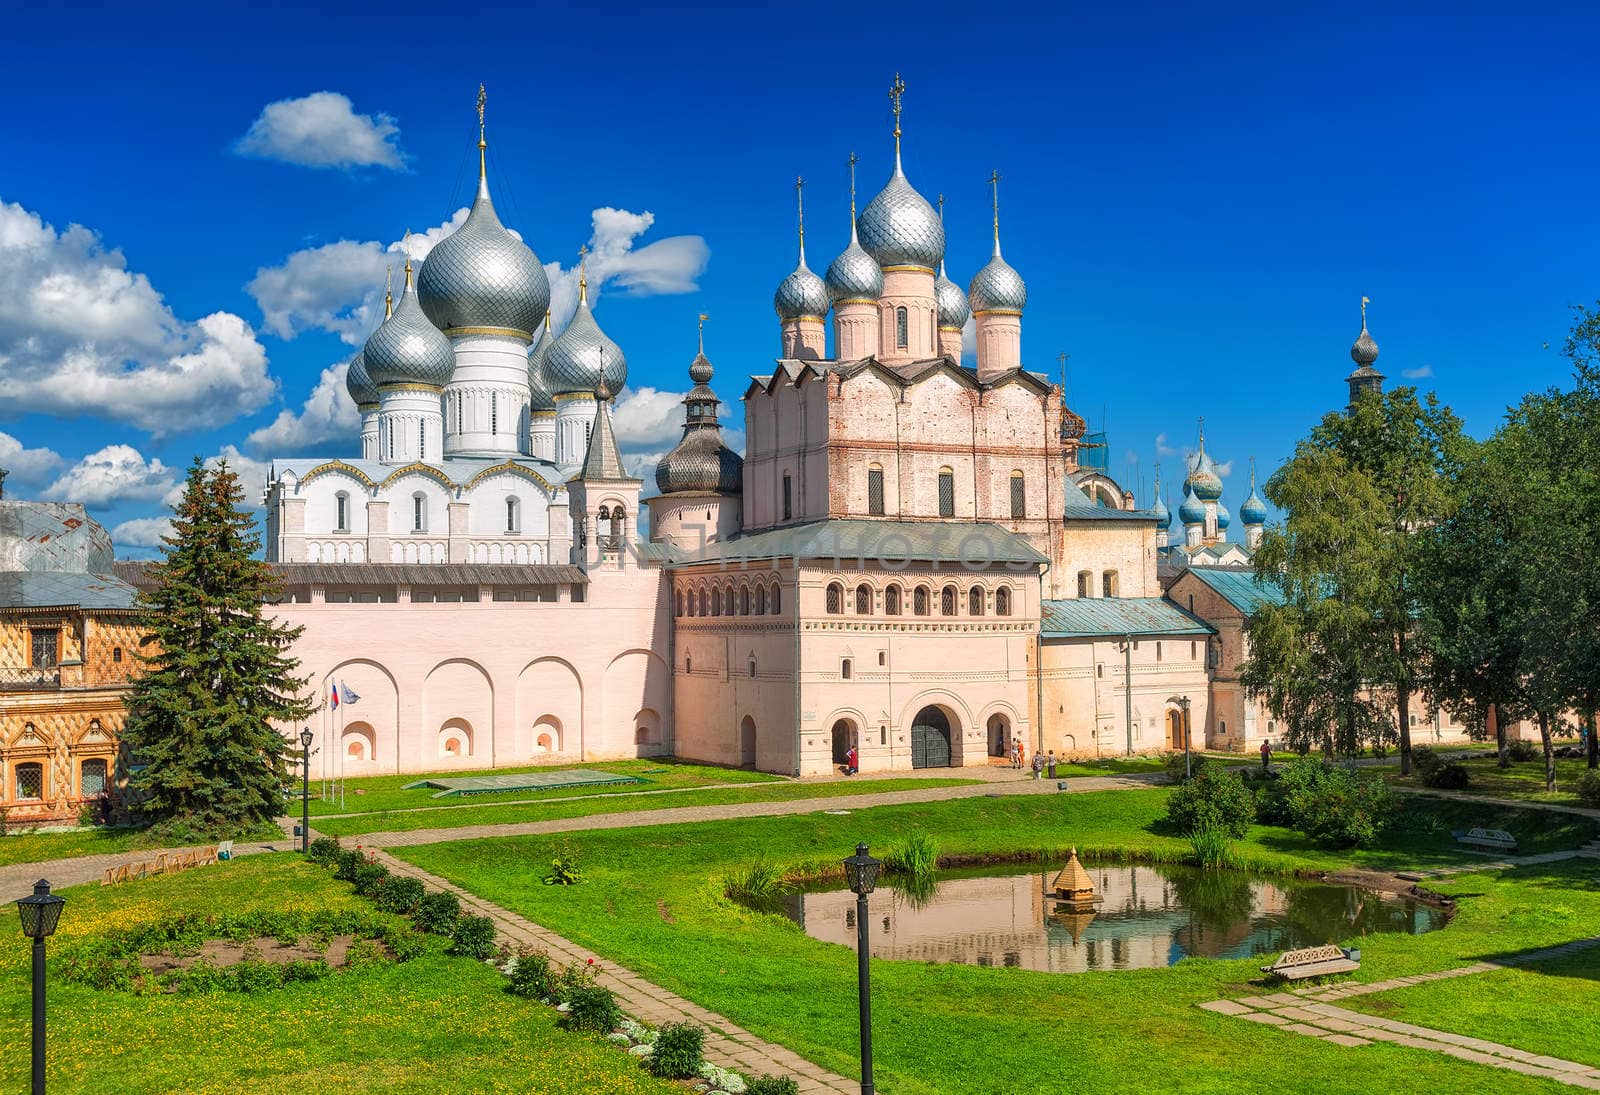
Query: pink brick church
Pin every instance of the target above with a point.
(908, 559)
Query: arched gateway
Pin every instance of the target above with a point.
(930, 739)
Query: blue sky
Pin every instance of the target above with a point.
(1197, 195)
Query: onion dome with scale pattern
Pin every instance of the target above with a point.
(1193, 511)
(481, 276)
(701, 462)
(539, 391)
(854, 275)
(1162, 515)
(1204, 479)
(801, 295)
(954, 311)
(997, 287)
(574, 359)
(358, 383)
(899, 227)
(407, 348)
(1364, 351)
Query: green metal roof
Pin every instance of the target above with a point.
(1239, 587)
(974, 544)
(1110, 617)
(1085, 510)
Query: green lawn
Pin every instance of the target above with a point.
(411, 820)
(1545, 1007)
(1523, 780)
(653, 902)
(33, 847)
(374, 794)
(436, 1024)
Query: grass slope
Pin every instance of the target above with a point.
(1524, 780)
(432, 1025)
(653, 903)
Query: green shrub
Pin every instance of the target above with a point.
(1175, 766)
(772, 1085)
(1214, 799)
(1212, 846)
(591, 1007)
(565, 870)
(678, 1052)
(1447, 775)
(916, 856)
(405, 943)
(1522, 751)
(578, 975)
(398, 894)
(1589, 789)
(1335, 807)
(324, 850)
(755, 882)
(473, 937)
(531, 975)
(346, 861)
(438, 912)
(202, 977)
(305, 970)
(368, 877)
(256, 977)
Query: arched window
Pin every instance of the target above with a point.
(744, 600)
(846, 665)
(947, 492)
(1002, 601)
(863, 600)
(919, 601)
(689, 604)
(1108, 584)
(761, 600)
(705, 602)
(975, 601)
(1084, 578)
(677, 603)
(835, 598)
(875, 490)
(902, 328)
(1019, 496)
(752, 667)
(1158, 651)
(513, 518)
(494, 413)
(422, 438)
(891, 601)
(947, 601)
(777, 598)
(389, 437)
(788, 497)
(716, 601)
(341, 512)
(419, 512)
(616, 528)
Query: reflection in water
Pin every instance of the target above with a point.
(1149, 917)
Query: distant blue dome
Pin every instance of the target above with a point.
(1224, 518)
(1254, 510)
(1163, 517)
(1192, 512)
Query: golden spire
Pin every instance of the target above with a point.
(583, 276)
(703, 318)
(547, 321)
(800, 202)
(896, 90)
(994, 186)
(483, 145)
(405, 245)
(408, 272)
(388, 292)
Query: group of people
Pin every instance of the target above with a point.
(1043, 763)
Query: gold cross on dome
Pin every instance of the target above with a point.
(896, 90)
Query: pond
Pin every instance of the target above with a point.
(1149, 917)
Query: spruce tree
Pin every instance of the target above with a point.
(201, 720)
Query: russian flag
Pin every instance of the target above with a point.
(333, 690)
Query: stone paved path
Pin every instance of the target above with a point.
(685, 814)
(1310, 1011)
(726, 1045)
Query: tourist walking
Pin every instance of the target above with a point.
(1022, 755)
(1266, 754)
(851, 761)
(1015, 745)
(1038, 766)
(1050, 764)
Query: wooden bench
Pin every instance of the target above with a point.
(1491, 840)
(1312, 962)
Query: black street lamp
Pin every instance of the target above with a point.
(862, 872)
(305, 789)
(1183, 705)
(40, 915)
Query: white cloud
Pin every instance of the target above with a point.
(1421, 373)
(643, 466)
(142, 532)
(322, 130)
(1225, 468)
(648, 418)
(1162, 448)
(27, 465)
(327, 415)
(116, 473)
(81, 334)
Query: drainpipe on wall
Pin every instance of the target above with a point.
(1127, 685)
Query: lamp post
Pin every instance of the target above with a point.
(861, 870)
(1182, 703)
(305, 788)
(40, 914)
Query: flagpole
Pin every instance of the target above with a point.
(341, 756)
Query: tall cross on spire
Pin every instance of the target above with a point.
(994, 187)
(583, 276)
(1364, 302)
(854, 159)
(1062, 357)
(941, 208)
(483, 145)
(800, 203)
(896, 90)
(405, 245)
(388, 292)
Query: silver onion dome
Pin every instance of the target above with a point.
(356, 381)
(573, 361)
(482, 276)
(701, 463)
(854, 275)
(1364, 351)
(997, 287)
(407, 348)
(900, 228)
(801, 294)
(539, 391)
(954, 311)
